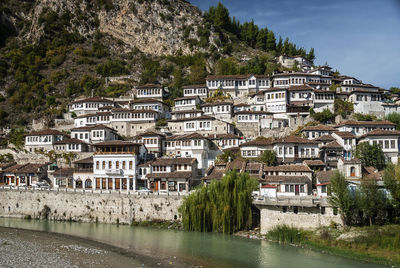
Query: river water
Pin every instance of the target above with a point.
(208, 249)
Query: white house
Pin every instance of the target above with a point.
(256, 147)
(313, 132)
(43, 139)
(219, 110)
(286, 180)
(150, 91)
(202, 124)
(94, 134)
(153, 141)
(360, 128)
(388, 141)
(173, 175)
(193, 145)
(195, 90)
(292, 149)
(237, 85)
(151, 104)
(89, 105)
(348, 141)
(187, 103)
(114, 164)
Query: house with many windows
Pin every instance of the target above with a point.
(193, 145)
(43, 139)
(89, 105)
(195, 90)
(94, 134)
(115, 164)
(360, 128)
(151, 91)
(387, 140)
(172, 175)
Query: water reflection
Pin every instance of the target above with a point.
(210, 249)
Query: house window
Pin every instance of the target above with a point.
(323, 189)
(97, 165)
(352, 171)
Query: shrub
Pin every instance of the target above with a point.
(286, 234)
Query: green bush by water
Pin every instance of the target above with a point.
(286, 234)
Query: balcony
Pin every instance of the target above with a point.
(114, 171)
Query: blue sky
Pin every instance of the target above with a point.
(360, 38)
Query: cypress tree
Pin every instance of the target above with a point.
(271, 41)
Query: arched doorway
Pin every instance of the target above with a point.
(88, 184)
(78, 184)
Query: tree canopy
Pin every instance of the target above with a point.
(371, 155)
(251, 34)
(340, 196)
(223, 206)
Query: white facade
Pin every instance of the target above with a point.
(237, 85)
(89, 105)
(187, 103)
(150, 91)
(196, 90)
(219, 110)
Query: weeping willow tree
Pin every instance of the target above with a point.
(223, 206)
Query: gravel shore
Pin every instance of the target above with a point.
(25, 248)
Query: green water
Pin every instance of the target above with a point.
(211, 250)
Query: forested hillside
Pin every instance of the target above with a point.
(52, 51)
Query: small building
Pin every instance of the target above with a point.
(193, 145)
(154, 142)
(151, 91)
(202, 124)
(331, 153)
(43, 139)
(94, 134)
(173, 175)
(322, 182)
(72, 145)
(83, 174)
(25, 174)
(387, 140)
(195, 90)
(187, 103)
(293, 149)
(89, 105)
(360, 128)
(313, 132)
(286, 180)
(219, 110)
(348, 141)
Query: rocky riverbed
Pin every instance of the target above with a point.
(25, 248)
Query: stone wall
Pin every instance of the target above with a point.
(88, 207)
(305, 218)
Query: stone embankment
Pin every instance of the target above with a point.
(88, 206)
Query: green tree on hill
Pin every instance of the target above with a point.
(371, 155)
(268, 157)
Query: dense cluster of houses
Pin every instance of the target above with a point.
(143, 143)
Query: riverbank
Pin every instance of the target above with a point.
(377, 244)
(22, 248)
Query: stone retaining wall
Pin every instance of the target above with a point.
(88, 207)
(301, 217)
